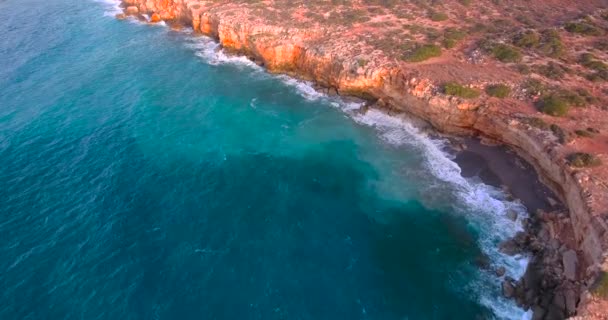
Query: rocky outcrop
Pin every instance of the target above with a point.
(397, 88)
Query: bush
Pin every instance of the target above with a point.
(438, 16)
(527, 39)
(554, 105)
(551, 43)
(498, 90)
(423, 52)
(506, 53)
(451, 36)
(600, 287)
(584, 133)
(455, 89)
(552, 70)
(448, 43)
(590, 61)
(583, 160)
(583, 28)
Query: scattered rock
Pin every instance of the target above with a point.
(482, 261)
(569, 260)
(500, 271)
(132, 10)
(120, 16)
(508, 289)
(571, 298)
(509, 247)
(155, 18)
(512, 215)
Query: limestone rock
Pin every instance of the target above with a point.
(132, 10)
(155, 18)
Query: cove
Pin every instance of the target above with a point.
(145, 175)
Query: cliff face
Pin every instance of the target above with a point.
(401, 89)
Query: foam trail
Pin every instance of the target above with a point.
(112, 7)
(211, 52)
(484, 205)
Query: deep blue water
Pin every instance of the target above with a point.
(145, 176)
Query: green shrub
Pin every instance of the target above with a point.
(600, 287)
(552, 70)
(498, 90)
(527, 39)
(583, 160)
(601, 75)
(423, 52)
(554, 105)
(448, 43)
(590, 61)
(451, 36)
(506, 53)
(438, 16)
(584, 133)
(572, 98)
(534, 87)
(455, 89)
(583, 28)
(551, 43)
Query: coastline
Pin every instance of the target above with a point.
(549, 220)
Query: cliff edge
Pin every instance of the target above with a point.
(528, 75)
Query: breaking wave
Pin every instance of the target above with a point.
(485, 207)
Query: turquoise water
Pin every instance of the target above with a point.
(145, 175)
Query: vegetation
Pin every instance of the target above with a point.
(438, 16)
(451, 36)
(554, 105)
(584, 160)
(552, 70)
(506, 53)
(455, 89)
(527, 39)
(590, 61)
(584, 133)
(584, 28)
(600, 288)
(498, 90)
(551, 44)
(423, 52)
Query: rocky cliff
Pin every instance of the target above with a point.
(317, 54)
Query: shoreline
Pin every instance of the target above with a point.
(548, 256)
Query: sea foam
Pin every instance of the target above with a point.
(485, 206)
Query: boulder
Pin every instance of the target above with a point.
(155, 18)
(571, 298)
(569, 260)
(512, 215)
(120, 16)
(508, 289)
(132, 10)
(500, 271)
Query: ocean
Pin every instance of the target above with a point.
(145, 174)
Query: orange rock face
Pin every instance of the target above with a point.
(155, 18)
